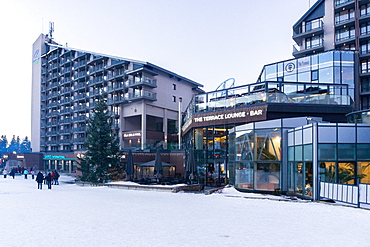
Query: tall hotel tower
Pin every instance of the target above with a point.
(143, 99)
(340, 25)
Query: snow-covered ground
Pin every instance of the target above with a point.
(70, 215)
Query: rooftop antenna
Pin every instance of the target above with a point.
(51, 30)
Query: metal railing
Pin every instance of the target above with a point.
(346, 193)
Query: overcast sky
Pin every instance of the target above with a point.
(207, 41)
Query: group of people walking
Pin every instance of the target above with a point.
(48, 179)
(22, 171)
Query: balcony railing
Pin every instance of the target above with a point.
(141, 95)
(309, 27)
(340, 2)
(141, 81)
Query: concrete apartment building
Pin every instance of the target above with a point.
(144, 99)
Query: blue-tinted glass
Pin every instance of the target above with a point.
(298, 153)
(363, 152)
(327, 152)
(280, 69)
(347, 75)
(304, 77)
(337, 60)
(326, 75)
(270, 72)
(314, 62)
(325, 60)
(337, 75)
(307, 152)
(347, 59)
(346, 151)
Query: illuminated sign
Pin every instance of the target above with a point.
(36, 57)
(56, 157)
(132, 134)
(244, 115)
(20, 156)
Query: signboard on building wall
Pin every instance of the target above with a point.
(242, 115)
(131, 135)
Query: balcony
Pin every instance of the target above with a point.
(65, 121)
(344, 3)
(65, 90)
(116, 87)
(80, 129)
(96, 92)
(117, 74)
(309, 50)
(116, 100)
(79, 108)
(80, 119)
(97, 69)
(144, 81)
(141, 95)
(80, 75)
(315, 28)
(96, 80)
(66, 110)
(80, 97)
(80, 86)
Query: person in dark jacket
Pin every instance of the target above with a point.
(56, 177)
(48, 179)
(12, 173)
(39, 179)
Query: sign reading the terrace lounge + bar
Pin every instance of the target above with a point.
(244, 115)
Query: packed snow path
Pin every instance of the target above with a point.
(70, 215)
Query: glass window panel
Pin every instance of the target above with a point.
(326, 75)
(298, 137)
(291, 139)
(304, 77)
(298, 153)
(327, 152)
(280, 67)
(346, 152)
(346, 134)
(363, 135)
(363, 171)
(346, 173)
(307, 152)
(307, 136)
(268, 176)
(337, 75)
(326, 59)
(314, 62)
(244, 175)
(271, 72)
(298, 178)
(348, 59)
(327, 172)
(347, 75)
(327, 134)
(290, 67)
(363, 151)
(303, 64)
(268, 144)
(291, 153)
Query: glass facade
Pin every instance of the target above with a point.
(334, 67)
(343, 155)
(256, 155)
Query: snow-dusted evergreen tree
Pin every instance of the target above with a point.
(25, 146)
(14, 145)
(102, 144)
(3, 144)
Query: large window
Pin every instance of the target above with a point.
(365, 28)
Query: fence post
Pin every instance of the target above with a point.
(358, 193)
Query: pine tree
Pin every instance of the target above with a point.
(3, 144)
(102, 156)
(25, 146)
(14, 145)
